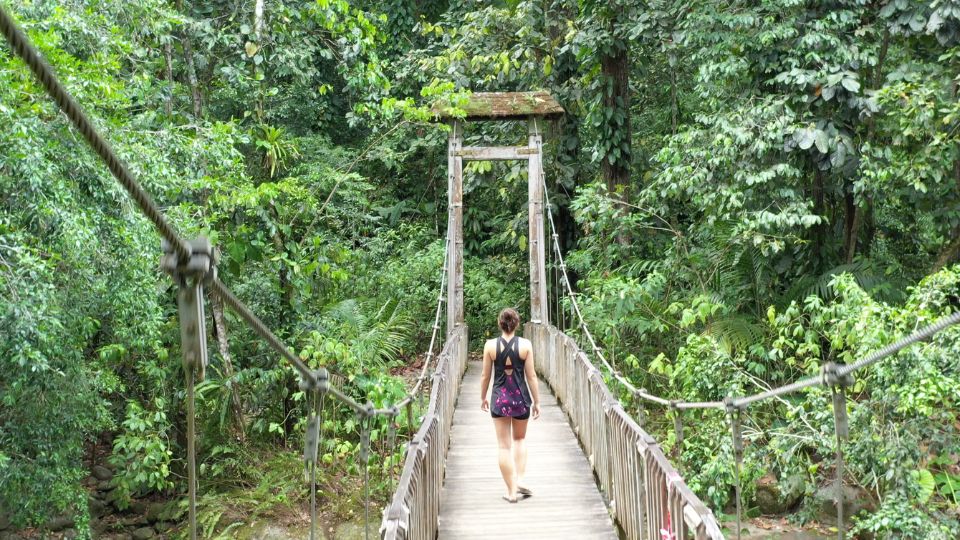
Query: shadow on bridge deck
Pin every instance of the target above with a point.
(566, 501)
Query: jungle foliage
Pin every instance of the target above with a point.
(745, 190)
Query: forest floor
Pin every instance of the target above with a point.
(777, 528)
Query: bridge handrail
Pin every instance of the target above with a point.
(413, 510)
(647, 494)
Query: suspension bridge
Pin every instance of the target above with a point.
(595, 471)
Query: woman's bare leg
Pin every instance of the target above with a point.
(507, 468)
(520, 450)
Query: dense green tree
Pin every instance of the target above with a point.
(782, 180)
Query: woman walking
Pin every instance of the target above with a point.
(515, 398)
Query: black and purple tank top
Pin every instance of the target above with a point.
(511, 396)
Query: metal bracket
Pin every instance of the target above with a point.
(830, 374)
(190, 276)
(641, 411)
(678, 430)
(312, 439)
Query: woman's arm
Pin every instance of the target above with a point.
(531, 375)
(485, 377)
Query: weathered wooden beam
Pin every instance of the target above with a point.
(502, 106)
(538, 274)
(490, 153)
(455, 311)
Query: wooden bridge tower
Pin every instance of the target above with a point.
(535, 107)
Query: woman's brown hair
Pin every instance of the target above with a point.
(508, 320)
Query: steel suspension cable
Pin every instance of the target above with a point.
(22, 47)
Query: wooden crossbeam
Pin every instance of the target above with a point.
(490, 153)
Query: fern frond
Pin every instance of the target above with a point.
(736, 332)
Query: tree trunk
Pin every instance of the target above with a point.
(674, 104)
(858, 211)
(615, 165)
(948, 254)
(851, 223)
(567, 68)
(220, 331)
(286, 291)
(819, 209)
(191, 69)
(258, 37)
(951, 252)
(168, 60)
(258, 20)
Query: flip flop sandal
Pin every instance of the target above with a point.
(525, 492)
(508, 499)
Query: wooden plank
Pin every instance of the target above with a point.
(502, 106)
(489, 153)
(566, 502)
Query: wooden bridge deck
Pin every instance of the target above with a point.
(566, 502)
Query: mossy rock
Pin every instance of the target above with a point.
(265, 530)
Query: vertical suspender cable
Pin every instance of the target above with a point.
(191, 452)
(736, 432)
(365, 461)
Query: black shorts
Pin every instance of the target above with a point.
(524, 416)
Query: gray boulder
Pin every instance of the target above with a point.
(102, 473)
(774, 497)
(97, 507)
(855, 500)
(144, 533)
(59, 523)
(155, 511)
